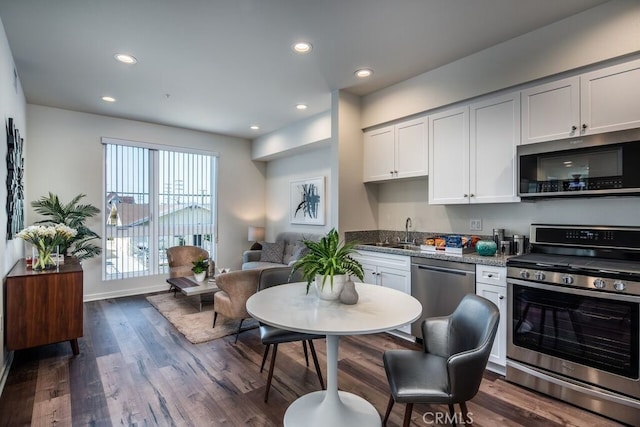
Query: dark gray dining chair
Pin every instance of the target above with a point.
(271, 335)
(450, 369)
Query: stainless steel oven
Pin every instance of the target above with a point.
(574, 317)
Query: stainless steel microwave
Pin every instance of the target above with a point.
(595, 165)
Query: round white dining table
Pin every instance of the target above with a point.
(289, 307)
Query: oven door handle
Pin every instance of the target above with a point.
(574, 291)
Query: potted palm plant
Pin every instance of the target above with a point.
(72, 214)
(200, 267)
(328, 260)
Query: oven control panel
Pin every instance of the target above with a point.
(626, 238)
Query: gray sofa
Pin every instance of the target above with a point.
(290, 243)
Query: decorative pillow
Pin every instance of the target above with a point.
(272, 252)
(298, 253)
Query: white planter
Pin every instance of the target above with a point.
(327, 292)
(200, 276)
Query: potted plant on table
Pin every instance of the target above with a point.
(200, 267)
(328, 260)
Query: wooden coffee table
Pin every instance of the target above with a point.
(189, 287)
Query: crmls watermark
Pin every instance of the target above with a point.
(438, 418)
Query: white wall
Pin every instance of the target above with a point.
(301, 136)
(402, 199)
(280, 173)
(12, 105)
(356, 206)
(65, 157)
(598, 34)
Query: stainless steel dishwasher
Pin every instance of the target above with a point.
(439, 286)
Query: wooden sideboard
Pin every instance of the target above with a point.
(44, 307)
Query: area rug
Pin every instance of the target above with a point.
(184, 313)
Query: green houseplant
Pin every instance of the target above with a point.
(326, 259)
(73, 215)
(200, 267)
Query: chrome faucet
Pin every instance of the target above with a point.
(407, 224)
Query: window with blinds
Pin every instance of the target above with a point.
(155, 197)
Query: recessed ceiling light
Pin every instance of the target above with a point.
(363, 72)
(108, 99)
(302, 47)
(301, 106)
(254, 127)
(125, 59)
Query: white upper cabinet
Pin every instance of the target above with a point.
(610, 98)
(397, 151)
(551, 111)
(472, 152)
(449, 156)
(379, 154)
(494, 136)
(599, 101)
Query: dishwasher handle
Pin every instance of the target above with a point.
(444, 270)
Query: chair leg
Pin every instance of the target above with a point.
(452, 412)
(407, 415)
(215, 317)
(389, 407)
(264, 356)
(239, 329)
(315, 362)
(465, 418)
(306, 355)
(270, 376)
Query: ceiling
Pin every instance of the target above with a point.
(222, 65)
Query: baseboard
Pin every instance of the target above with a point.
(126, 292)
(498, 369)
(5, 370)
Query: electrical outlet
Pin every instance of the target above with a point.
(475, 225)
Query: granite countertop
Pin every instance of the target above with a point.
(471, 258)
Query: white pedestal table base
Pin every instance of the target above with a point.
(331, 407)
(313, 410)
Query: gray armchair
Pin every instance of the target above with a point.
(450, 369)
(180, 259)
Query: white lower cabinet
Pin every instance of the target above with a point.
(491, 283)
(391, 271)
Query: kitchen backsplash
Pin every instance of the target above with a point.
(375, 236)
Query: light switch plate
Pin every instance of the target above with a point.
(475, 225)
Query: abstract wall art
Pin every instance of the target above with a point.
(307, 201)
(15, 189)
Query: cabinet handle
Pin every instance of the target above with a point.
(472, 195)
(574, 128)
(501, 297)
(584, 126)
(465, 195)
(489, 275)
(391, 172)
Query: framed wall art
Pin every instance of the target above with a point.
(15, 189)
(307, 201)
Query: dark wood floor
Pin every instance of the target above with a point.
(136, 369)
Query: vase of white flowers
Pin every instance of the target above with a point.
(46, 239)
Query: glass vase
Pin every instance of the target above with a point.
(45, 260)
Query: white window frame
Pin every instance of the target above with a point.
(154, 195)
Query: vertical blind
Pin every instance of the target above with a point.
(155, 199)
